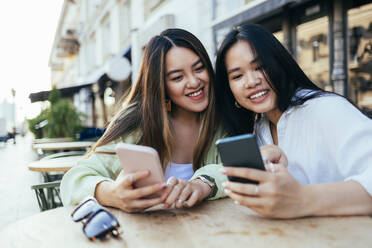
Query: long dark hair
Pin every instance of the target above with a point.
(279, 68)
(144, 109)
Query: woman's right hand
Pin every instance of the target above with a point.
(121, 193)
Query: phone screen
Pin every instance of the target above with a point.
(240, 151)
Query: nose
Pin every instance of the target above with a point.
(193, 81)
(251, 80)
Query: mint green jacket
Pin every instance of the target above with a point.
(81, 180)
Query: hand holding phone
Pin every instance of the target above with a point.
(136, 158)
(240, 151)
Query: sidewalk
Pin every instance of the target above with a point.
(17, 199)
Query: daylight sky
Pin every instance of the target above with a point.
(27, 33)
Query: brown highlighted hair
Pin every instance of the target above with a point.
(144, 108)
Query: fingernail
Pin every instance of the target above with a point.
(170, 181)
(145, 172)
(224, 184)
(222, 170)
(236, 202)
(166, 206)
(227, 191)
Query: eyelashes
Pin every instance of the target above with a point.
(236, 77)
(180, 77)
(200, 68)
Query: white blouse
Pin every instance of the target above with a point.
(326, 140)
(179, 171)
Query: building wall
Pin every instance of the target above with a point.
(193, 15)
(105, 28)
(102, 33)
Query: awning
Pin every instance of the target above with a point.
(98, 76)
(65, 92)
(260, 10)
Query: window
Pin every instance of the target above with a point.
(280, 36)
(360, 57)
(92, 6)
(125, 24)
(91, 52)
(313, 51)
(106, 37)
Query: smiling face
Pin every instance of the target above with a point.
(187, 80)
(247, 81)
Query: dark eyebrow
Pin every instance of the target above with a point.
(197, 62)
(173, 71)
(253, 61)
(233, 70)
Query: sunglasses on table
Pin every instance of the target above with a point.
(97, 220)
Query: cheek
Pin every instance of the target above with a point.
(235, 89)
(205, 77)
(170, 89)
(274, 99)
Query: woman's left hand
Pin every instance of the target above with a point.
(278, 194)
(182, 193)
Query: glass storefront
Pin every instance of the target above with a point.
(360, 57)
(313, 51)
(280, 36)
(310, 24)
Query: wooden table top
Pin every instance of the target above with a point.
(218, 223)
(63, 145)
(61, 164)
(52, 140)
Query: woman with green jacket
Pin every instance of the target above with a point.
(171, 107)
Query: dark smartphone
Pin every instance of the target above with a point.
(240, 151)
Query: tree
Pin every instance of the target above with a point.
(63, 118)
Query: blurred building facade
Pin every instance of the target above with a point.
(93, 34)
(7, 116)
(90, 35)
(330, 39)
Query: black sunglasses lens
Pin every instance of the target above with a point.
(100, 225)
(84, 210)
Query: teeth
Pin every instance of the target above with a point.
(196, 93)
(258, 94)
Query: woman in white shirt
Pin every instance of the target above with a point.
(327, 141)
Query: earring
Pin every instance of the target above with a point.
(168, 105)
(237, 105)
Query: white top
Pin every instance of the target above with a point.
(179, 171)
(326, 140)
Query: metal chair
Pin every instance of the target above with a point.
(47, 195)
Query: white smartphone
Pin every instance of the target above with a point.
(136, 157)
